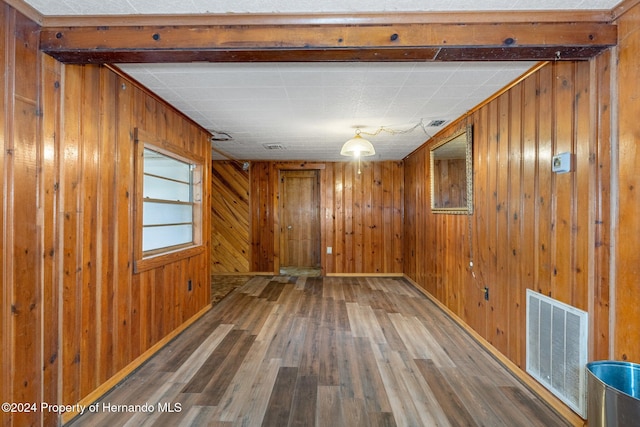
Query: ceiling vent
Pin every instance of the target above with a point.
(436, 123)
(274, 146)
(217, 135)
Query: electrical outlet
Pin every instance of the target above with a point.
(486, 294)
(329, 250)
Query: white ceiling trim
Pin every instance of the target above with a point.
(174, 7)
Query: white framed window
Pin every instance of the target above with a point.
(167, 202)
(168, 194)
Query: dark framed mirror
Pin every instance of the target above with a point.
(452, 174)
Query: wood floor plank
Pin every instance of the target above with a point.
(220, 380)
(471, 390)
(311, 351)
(391, 335)
(272, 291)
(184, 346)
(375, 393)
(364, 323)
(200, 355)
(305, 397)
(279, 406)
(348, 362)
(161, 395)
(349, 290)
(238, 391)
(328, 313)
(255, 316)
(446, 396)
(402, 406)
(422, 396)
(530, 407)
(329, 371)
(294, 345)
(209, 367)
(313, 286)
(382, 419)
(253, 409)
(310, 357)
(354, 411)
(330, 411)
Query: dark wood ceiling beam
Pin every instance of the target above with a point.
(407, 40)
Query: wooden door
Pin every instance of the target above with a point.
(300, 218)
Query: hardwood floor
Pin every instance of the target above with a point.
(322, 351)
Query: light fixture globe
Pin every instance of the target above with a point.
(357, 147)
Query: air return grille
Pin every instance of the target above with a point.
(557, 348)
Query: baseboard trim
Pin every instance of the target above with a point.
(553, 402)
(135, 364)
(246, 273)
(364, 275)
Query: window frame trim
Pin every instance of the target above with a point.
(159, 257)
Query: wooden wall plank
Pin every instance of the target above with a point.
(600, 348)
(514, 274)
(563, 192)
(528, 213)
(398, 216)
(107, 239)
(262, 244)
(48, 224)
(339, 240)
(584, 145)
(5, 144)
(626, 310)
(543, 198)
(6, 214)
(69, 193)
(123, 223)
(23, 160)
(89, 161)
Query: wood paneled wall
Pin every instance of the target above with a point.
(531, 228)
(230, 245)
(73, 313)
(361, 216)
(626, 293)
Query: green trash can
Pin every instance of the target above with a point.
(613, 394)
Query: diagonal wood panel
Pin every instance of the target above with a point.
(230, 218)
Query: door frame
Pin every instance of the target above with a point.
(320, 167)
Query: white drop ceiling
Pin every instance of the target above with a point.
(311, 109)
(171, 7)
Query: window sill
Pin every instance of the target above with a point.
(160, 260)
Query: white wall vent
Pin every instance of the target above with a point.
(557, 348)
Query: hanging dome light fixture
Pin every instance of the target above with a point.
(357, 147)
